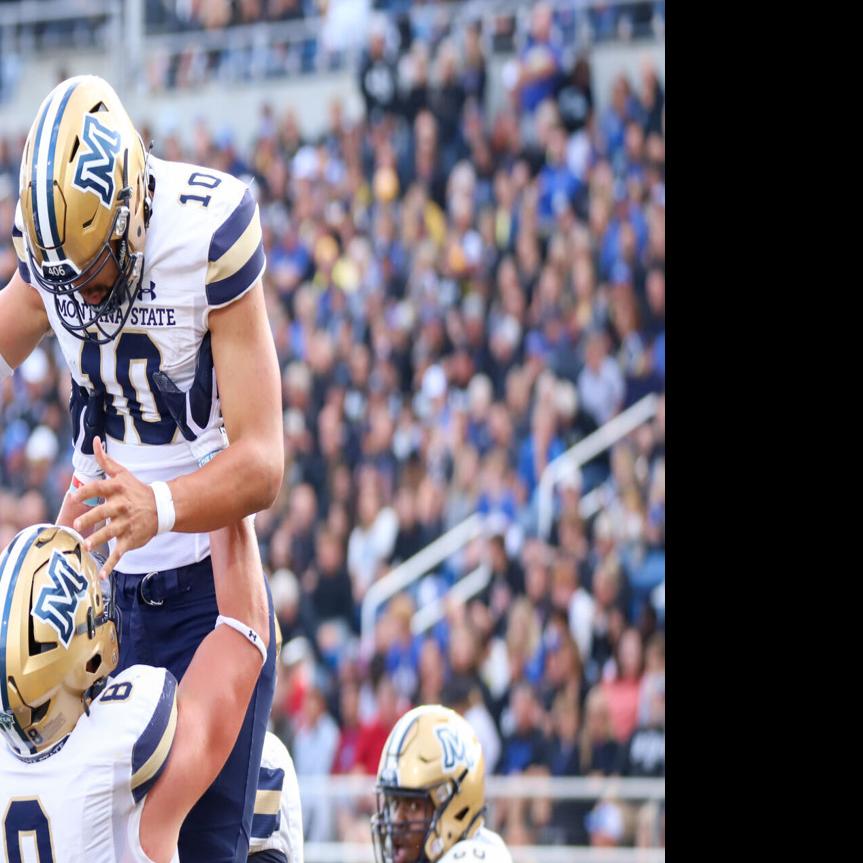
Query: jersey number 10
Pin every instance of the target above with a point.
(27, 818)
(130, 348)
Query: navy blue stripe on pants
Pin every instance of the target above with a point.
(217, 829)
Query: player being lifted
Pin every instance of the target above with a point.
(431, 793)
(149, 273)
(102, 769)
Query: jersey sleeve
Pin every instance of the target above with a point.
(151, 749)
(236, 257)
(277, 823)
(18, 243)
(137, 711)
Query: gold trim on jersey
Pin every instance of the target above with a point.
(149, 768)
(239, 254)
(267, 802)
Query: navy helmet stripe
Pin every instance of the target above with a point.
(4, 625)
(405, 734)
(34, 158)
(55, 230)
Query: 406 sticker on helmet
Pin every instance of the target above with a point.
(61, 272)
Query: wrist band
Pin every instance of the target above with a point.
(246, 632)
(164, 506)
(5, 369)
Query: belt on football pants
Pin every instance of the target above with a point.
(153, 588)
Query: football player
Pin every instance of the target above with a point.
(277, 824)
(430, 793)
(149, 274)
(104, 769)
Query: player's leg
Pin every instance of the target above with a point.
(166, 616)
(228, 805)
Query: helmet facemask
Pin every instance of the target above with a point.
(402, 839)
(430, 787)
(48, 681)
(65, 283)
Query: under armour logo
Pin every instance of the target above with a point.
(57, 604)
(253, 636)
(454, 748)
(95, 171)
(147, 293)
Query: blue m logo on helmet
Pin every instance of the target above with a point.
(455, 749)
(95, 171)
(58, 602)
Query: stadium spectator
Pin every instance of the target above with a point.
(599, 751)
(314, 749)
(373, 735)
(525, 746)
(443, 333)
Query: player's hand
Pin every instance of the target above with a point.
(198, 412)
(129, 507)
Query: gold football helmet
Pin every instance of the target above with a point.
(432, 767)
(85, 197)
(58, 636)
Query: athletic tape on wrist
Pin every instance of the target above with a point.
(164, 506)
(246, 632)
(77, 482)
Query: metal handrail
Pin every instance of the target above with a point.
(469, 586)
(511, 787)
(40, 11)
(468, 530)
(360, 852)
(412, 569)
(585, 450)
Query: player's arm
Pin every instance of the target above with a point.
(248, 474)
(214, 693)
(23, 323)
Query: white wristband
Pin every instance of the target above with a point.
(164, 506)
(5, 369)
(246, 632)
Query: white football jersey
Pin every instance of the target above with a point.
(204, 249)
(83, 799)
(485, 846)
(278, 820)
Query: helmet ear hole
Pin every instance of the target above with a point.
(37, 714)
(94, 663)
(75, 146)
(461, 814)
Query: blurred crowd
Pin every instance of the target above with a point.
(457, 296)
(235, 40)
